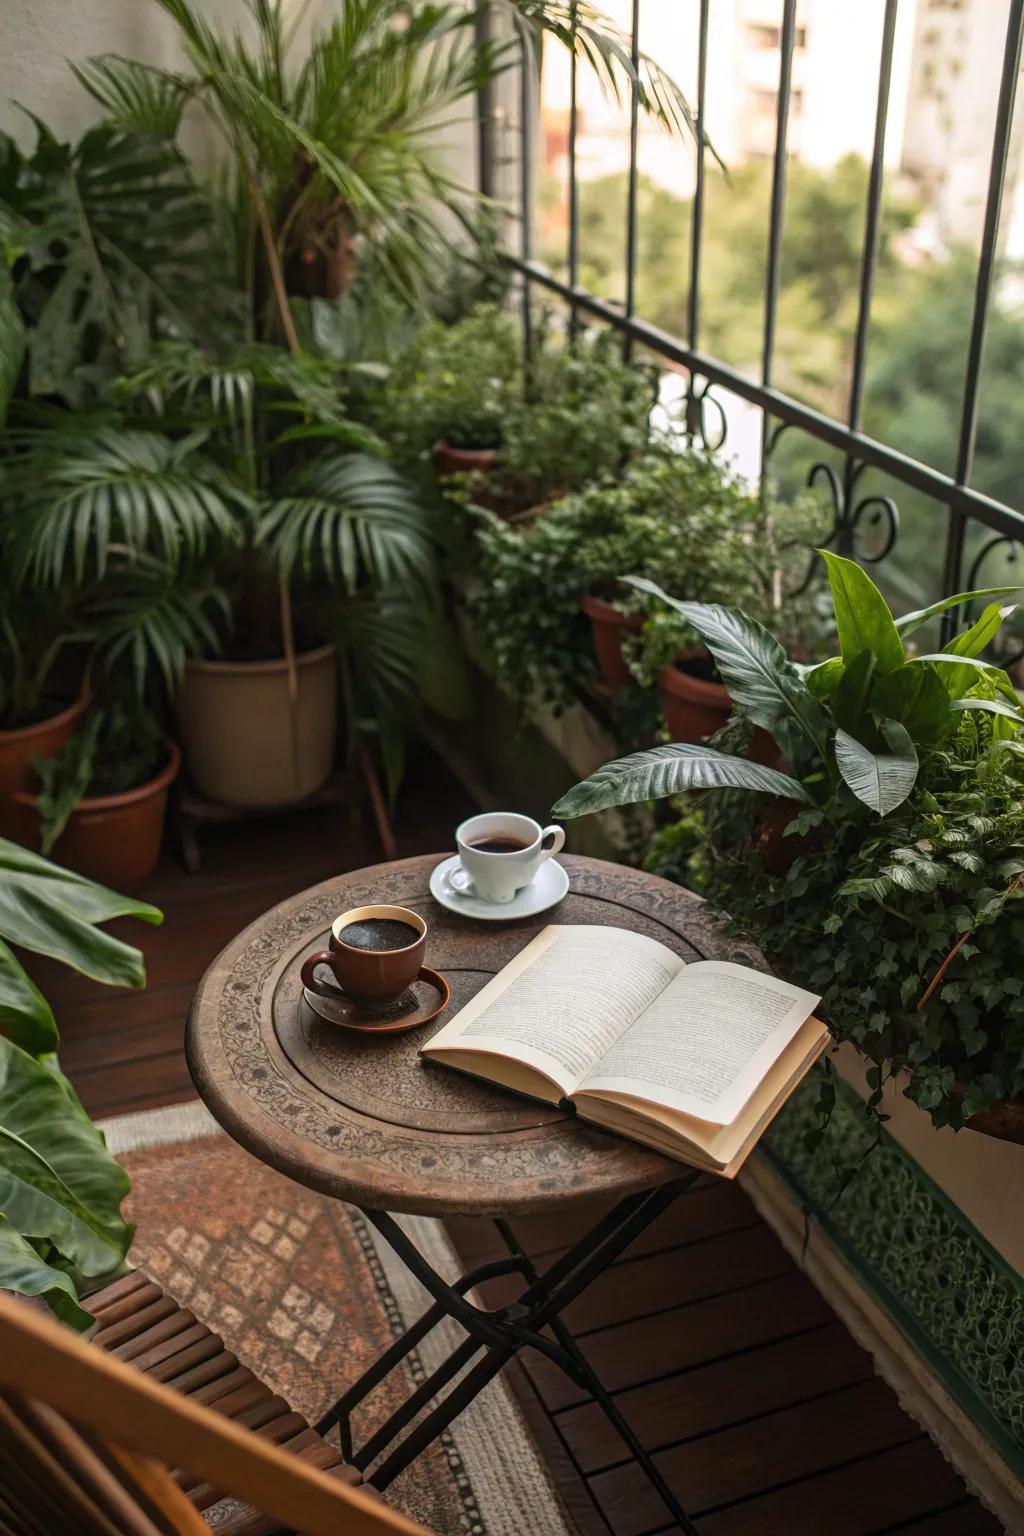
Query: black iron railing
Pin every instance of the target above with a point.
(861, 521)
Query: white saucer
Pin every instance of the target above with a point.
(548, 885)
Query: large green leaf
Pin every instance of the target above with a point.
(916, 698)
(25, 1015)
(755, 669)
(58, 1182)
(913, 621)
(981, 633)
(882, 780)
(25, 1273)
(989, 706)
(851, 694)
(53, 911)
(863, 618)
(661, 771)
(824, 678)
(957, 672)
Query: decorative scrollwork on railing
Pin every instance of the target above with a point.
(1012, 556)
(853, 518)
(699, 401)
(696, 416)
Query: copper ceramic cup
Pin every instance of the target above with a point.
(368, 975)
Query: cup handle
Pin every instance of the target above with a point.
(460, 880)
(309, 979)
(557, 843)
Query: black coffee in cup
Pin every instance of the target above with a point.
(380, 933)
(499, 845)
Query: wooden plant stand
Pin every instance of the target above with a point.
(193, 811)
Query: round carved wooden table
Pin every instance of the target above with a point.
(365, 1120)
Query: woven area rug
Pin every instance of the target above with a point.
(307, 1295)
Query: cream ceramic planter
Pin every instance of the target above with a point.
(245, 741)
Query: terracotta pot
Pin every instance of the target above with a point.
(114, 839)
(17, 749)
(463, 461)
(608, 628)
(693, 708)
(244, 743)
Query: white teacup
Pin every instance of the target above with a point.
(494, 872)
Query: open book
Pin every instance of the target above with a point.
(693, 1060)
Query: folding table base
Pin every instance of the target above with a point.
(496, 1336)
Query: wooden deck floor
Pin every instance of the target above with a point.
(765, 1416)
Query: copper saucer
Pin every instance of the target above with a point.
(424, 1000)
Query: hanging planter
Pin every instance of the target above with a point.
(248, 740)
(114, 839)
(608, 628)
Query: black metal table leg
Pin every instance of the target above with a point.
(496, 1336)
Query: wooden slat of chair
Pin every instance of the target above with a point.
(129, 1413)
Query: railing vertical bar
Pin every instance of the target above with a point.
(869, 257)
(983, 288)
(574, 196)
(697, 221)
(693, 403)
(778, 205)
(526, 74)
(482, 30)
(634, 119)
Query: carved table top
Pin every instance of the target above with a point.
(365, 1119)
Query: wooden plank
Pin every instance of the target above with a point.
(747, 1459)
(687, 1336)
(160, 1079)
(712, 1396)
(863, 1498)
(709, 1209)
(638, 1287)
(968, 1518)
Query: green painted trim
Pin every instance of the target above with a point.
(916, 1253)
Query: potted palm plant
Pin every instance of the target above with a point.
(247, 474)
(903, 805)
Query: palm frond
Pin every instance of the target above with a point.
(137, 97)
(601, 44)
(352, 519)
(77, 493)
(144, 615)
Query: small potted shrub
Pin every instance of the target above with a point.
(100, 802)
(525, 432)
(539, 585)
(904, 806)
(451, 394)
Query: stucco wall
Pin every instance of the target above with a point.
(37, 37)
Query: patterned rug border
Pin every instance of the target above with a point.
(491, 1446)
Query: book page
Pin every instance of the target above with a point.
(564, 1000)
(706, 1042)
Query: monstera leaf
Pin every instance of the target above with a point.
(667, 771)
